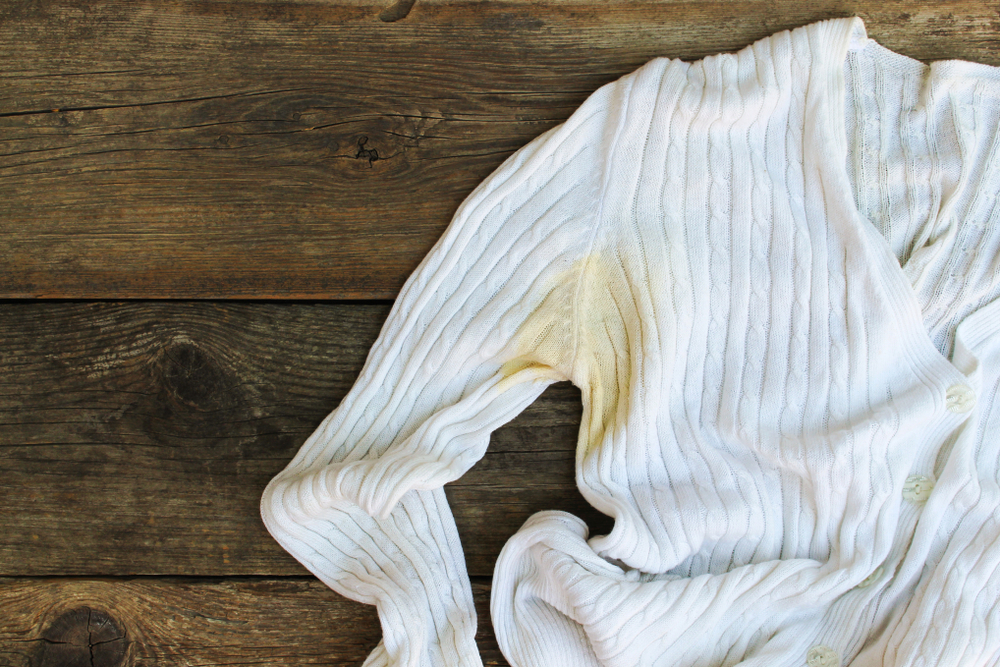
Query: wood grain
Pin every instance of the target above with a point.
(136, 438)
(318, 149)
(187, 622)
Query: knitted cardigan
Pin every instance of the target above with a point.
(773, 275)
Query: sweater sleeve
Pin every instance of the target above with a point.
(484, 324)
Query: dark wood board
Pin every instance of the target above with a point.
(136, 438)
(185, 622)
(213, 149)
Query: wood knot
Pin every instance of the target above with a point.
(371, 154)
(192, 377)
(397, 12)
(82, 637)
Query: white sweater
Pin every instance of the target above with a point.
(773, 275)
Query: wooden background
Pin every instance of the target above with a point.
(206, 209)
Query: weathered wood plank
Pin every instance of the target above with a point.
(137, 438)
(228, 149)
(187, 622)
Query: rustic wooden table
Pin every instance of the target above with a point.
(207, 207)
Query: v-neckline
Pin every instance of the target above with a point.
(828, 130)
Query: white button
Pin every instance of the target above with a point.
(822, 656)
(960, 398)
(872, 578)
(917, 488)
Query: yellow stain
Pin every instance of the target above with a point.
(580, 332)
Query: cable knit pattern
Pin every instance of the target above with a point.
(774, 276)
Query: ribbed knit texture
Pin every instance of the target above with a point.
(774, 277)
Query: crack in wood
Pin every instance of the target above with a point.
(61, 74)
(181, 100)
(138, 149)
(464, 155)
(90, 635)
